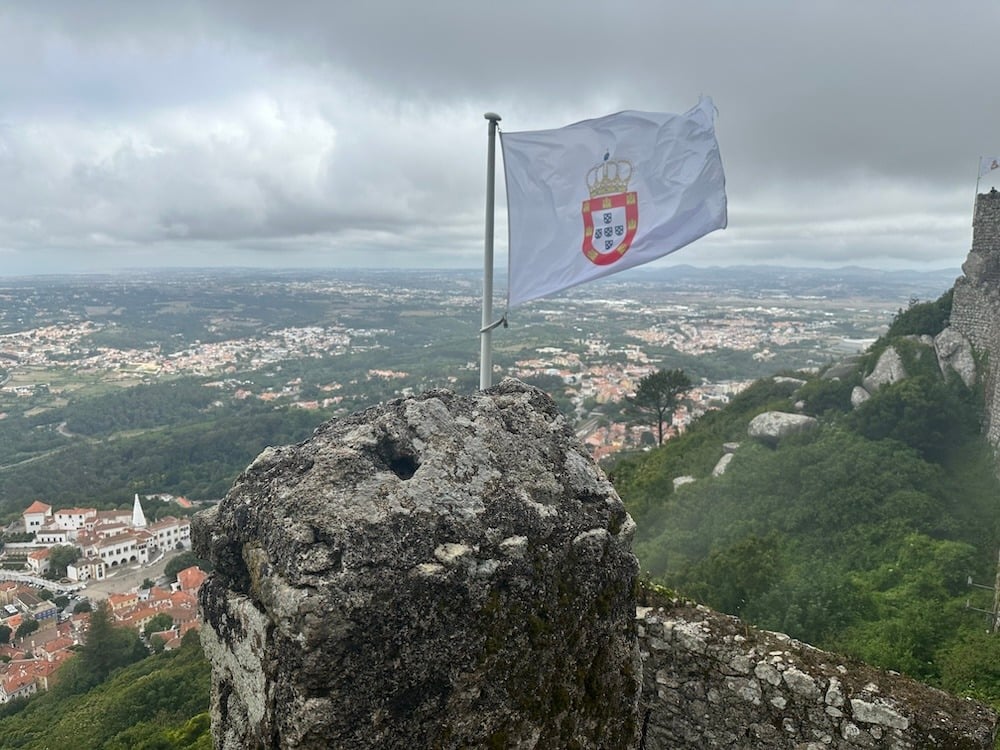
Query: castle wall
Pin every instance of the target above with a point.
(710, 682)
(976, 305)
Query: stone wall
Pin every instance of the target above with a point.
(709, 681)
(976, 305)
(454, 572)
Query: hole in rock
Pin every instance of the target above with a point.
(400, 461)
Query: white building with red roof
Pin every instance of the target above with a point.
(38, 561)
(19, 682)
(190, 579)
(74, 518)
(106, 539)
(87, 569)
(50, 535)
(170, 533)
(36, 515)
(120, 549)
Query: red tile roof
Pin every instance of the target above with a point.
(38, 507)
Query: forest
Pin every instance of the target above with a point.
(860, 537)
(199, 457)
(113, 694)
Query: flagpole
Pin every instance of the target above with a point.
(486, 332)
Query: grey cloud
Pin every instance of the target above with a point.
(848, 130)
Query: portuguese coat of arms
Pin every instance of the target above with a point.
(611, 214)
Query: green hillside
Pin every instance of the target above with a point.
(118, 450)
(158, 703)
(860, 536)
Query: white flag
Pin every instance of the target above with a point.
(600, 196)
(987, 164)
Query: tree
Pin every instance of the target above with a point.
(5, 633)
(83, 605)
(160, 621)
(27, 627)
(182, 561)
(658, 394)
(62, 555)
(107, 647)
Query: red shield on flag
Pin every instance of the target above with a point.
(609, 224)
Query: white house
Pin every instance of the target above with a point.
(38, 561)
(169, 533)
(50, 535)
(87, 569)
(121, 549)
(74, 518)
(36, 515)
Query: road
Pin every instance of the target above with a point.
(126, 579)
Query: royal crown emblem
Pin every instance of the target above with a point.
(611, 215)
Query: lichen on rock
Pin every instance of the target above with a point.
(439, 571)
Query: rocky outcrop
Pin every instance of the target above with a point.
(722, 464)
(888, 370)
(772, 427)
(954, 353)
(455, 572)
(711, 682)
(792, 384)
(728, 451)
(436, 572)
(858, 396)
(845, 368)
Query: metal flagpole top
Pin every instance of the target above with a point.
(492, 116)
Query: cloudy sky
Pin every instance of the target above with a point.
(328, 134)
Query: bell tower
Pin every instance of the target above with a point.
(138, 516)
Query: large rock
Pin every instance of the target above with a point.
(722, 464)
(792, 384)
(888, 370)
(954, 353)
(858, 396)
(440, 571)
(843, 369)
(773, 426)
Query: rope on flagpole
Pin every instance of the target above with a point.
(502, 321)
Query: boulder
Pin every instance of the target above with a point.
(889, 369)
(843, 369)
(792, 384)
(954, 353)
(773, 426)
(921, 338)
(722, 464)
(439, 571)
(858, 396)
